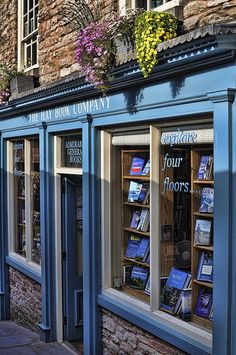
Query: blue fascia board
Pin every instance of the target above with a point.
(158, 329)
(21, 267)
(20, 132)
(69, 92)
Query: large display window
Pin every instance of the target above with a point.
(158, 237)
(24, 198)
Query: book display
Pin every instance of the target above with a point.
(202, 210)
(35, 201)
(19, 182)
(172, 294)
(185, 233)
(135, 168)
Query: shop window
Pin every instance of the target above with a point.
(157, 5)
(24, 199)
(158, 235)
(28, 33)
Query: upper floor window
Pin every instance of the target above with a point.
(159, 5)
(28, 33)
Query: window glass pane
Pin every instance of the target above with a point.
(79, 230)
(28, 55)
(36, 19)
(142, 4)
(19, 188)
(186, 231)
(71, 151)
(155, 3)
(34, 53)
(25, 7)
(135, 241)
(30, 4)
(35, 202)
(26, 27)
(31, 21)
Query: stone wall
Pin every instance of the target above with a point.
(57, 40)
(123, 338)
(25, 300)
(8, 31)
(199, 13)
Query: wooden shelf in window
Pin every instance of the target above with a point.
(137, 293)
(131, 230)
(204, 182)
(201, 214)
(137, 262)
(204, 284)
(204, 322)
(20, 198)
(137, 177)
(204, 247)
(135, 204)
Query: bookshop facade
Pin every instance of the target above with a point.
(119, 209)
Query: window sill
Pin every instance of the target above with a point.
(29, 269)
(175, 331)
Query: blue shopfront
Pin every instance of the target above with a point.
(67, 215)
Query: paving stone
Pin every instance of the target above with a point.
(16, 340)
(52, 349)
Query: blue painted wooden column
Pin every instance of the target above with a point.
(4, 292)
(90, 221)
(47, 256)
(233, 206)
(223, 217)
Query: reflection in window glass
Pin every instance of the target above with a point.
(71, 151)
(35, 201)
(19, 184)
(26, 177)
(79, 230)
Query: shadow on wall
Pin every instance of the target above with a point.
(132, 99)
(176, 85)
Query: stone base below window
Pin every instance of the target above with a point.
(122, 337)
(25, 300)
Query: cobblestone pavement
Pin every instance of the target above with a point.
(16, 340)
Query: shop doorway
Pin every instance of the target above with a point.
(72, 259)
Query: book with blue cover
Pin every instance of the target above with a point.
(146, 168)
(144, 193)
(142, 249)
(139, 277)
(137, 166)
(204, 303)
(132, 246)
(185, 304)
(170, 296)
(135, 219)
(144, 220)
(211, 313)
(134, 191)
(205, 267)
(205, 168)
(202, 232)
(148, 286)
(207, 200)
(127, 274)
